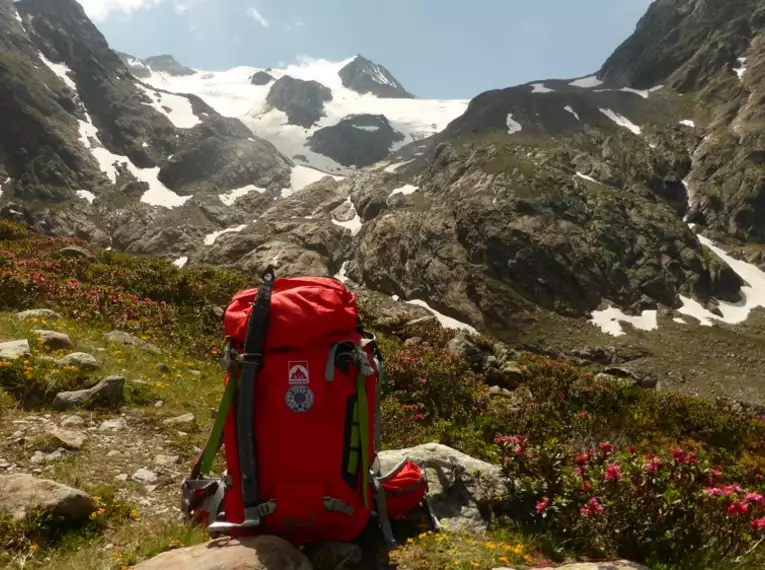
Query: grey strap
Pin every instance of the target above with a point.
(382, 513)
(336, 505)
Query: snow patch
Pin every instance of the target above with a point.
(181, 261)
(157, 195)
(406, 190)
(609, 320)
(61, 70)
(354, 224)
(621, 120)
(446, 322)
(587, 82)
(210, 238)
(540, 88)
(588, 178)
(371, 128)
(513, 126)
(303, 176)
(740, 71)
(180, 112)
(233, 195)
(644, 93)
(341, 275)
(752, 293)
(85, 195)
(688, 123)
(571, 110)
(392, 168)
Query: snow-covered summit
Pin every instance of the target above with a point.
(350, 83)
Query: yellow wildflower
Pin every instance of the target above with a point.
(133, 514)
(33, 548)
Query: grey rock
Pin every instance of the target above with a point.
(83, 361)
(127, 339)
(360, 140)
(184, 419)
(195, 372)
(53, 340)
(14, 349)
(40, 457)
(162, 367)
(497, 391)
(45, 314)
(121, 478)
(144, 477)
(21, 493)
(108, 390)
(640, 376)
(461, 345)
(164, 460)
(248, 553)
(116, 424)
(457, 507)
(261, 78)
(72, 440)
(75, 251)
(72, 421)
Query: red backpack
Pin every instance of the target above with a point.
(299, 419)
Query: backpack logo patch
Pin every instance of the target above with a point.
(299, 399)
(298, 373)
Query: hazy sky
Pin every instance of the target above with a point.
(436, 48)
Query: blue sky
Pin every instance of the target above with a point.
(436, 48)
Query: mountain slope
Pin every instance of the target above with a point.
(354, 87)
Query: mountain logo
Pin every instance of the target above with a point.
(298, 373)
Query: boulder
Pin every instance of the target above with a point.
(107, 390)
(83, 361)
(127, 339)
(183, 419)
(461, 345)
(75, 251)
(53, 340)
(639, 376)
(45, 314)
(73, 440)
(247, 553)
(261, 78)
(302, 101)
(144, 477)
(14, 349)
(20, 493)
(458, 507)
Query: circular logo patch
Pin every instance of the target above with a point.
(299, 399)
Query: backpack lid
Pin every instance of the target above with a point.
(302, 310)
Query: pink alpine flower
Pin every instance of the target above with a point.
(613, 473)
(592, 508)
(758, 524)
(755, 498)
(653, 464)
(542, 505)
(606, 448)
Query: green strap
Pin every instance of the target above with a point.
(363, 408)
(216, 435)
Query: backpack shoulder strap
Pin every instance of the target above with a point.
(252, 362)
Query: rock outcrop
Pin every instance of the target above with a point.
(302, 101)
(364, 76)
(359, 140)
(21, 494)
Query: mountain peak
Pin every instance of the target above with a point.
(165, 63)
(365, 76)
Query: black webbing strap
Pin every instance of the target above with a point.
(252, 362)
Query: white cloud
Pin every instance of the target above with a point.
(253, 13)
(99, 10)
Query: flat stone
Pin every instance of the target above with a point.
(127, 339)
(20, 493)
(164, 460)
(39, 457)
(144, 476)
(180, 420)
(245, 553)
(116, 424)
(45, 314)
(14, 349)
(72, 421)
(109, 389)
(53, 340)
(75, 251)
(82, 360)
(69, 439)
